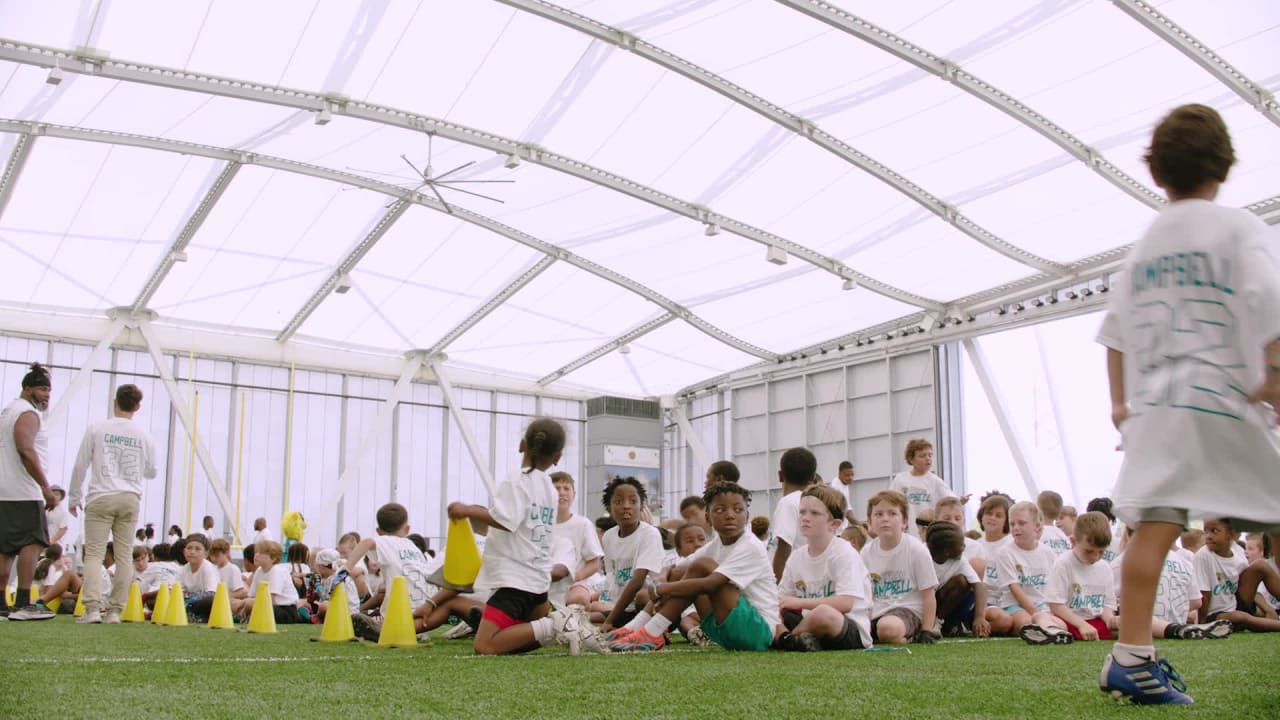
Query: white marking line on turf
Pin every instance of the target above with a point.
(130, 660)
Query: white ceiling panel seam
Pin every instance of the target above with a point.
(27, 54)
(785, 119)
(246, 158)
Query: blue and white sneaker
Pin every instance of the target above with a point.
(1152, 683)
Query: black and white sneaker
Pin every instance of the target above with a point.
(1037, 635)
(1216, 630)
(36, 611)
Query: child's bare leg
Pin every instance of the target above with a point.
(1139, 575)
(1001, 621)
(435, 616)
(1018, 619)
(688, 623)
(890, 630)
(578, 595)
(823, 621)
(490, 640)
(1261, 572)
(1240, 619)
(1047, 619)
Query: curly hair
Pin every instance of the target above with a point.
(618, 482)
(723, 488)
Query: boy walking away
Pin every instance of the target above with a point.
(825, 593)
(1196, 328)
(728, 580)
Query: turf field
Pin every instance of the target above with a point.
(56, 669)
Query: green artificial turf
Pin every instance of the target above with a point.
(56, 669)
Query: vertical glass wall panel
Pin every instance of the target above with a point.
(418, 469)
(1033, 367)
(260, 492)
(316, 448)
(370, 487)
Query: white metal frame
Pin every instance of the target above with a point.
(468, 436)
(80, 380)
(1011, 436)
(13, 169)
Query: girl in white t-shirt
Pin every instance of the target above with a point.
(517, 552)
(993, 516)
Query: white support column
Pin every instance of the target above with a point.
(180, 408)
(351, 466)
(983, 371)
(1055, 403)
(468, 438)
(82, 377)
(699, 450)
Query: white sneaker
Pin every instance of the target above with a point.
(32, 612)
(564, 623)
(111, 618)
(90, 617)
(457, 632)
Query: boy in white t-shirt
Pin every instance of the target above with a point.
(228, 573)
(575, 547)
(920, 485)
(267, 557)
(728, 580)
(1081, 592)
(198, 576)
(1023, 570)
(1218, 566)
(902, 575)
(159, 571)
(825, 593)
(1177, 602)
(396, 556)
(1050, 504)
(796, 471)
(1193, 361)
(961, 594)
(326, 562)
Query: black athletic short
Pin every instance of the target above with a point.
(848, 639)
(509, 606)
(22, 523)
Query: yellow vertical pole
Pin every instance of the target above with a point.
(240, 464)
(288, 440)
(191, 475)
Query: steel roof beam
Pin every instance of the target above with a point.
(946, 70)
(483, 221)
(783, 118)
(1257, 96)
(28, 54)
(179, 245)
(493, 303)
(629, 336)
(13, 168)
(348, 264)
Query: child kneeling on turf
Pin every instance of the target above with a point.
(729, 580)
(1081, 591)
(825, 593)
(902, 575)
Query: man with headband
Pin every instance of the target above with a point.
(24, 491)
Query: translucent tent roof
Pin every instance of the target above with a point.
(252, 172)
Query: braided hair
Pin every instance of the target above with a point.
(543, 439)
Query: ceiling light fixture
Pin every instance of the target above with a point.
(850, 284)
(324, 116)
(55, 75)
(712, 229)
(343, 285)
(776, 255)
(513, 162)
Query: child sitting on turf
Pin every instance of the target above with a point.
(517, 552)
(950, 509)
(1261, 574)
(855, 534)
(825, 593)
(1191, 540)
(902, 575)
(1177, 601)
(694, 510)
(326, 562)
(729, 581)
(574, 545)
(632, 555)
(688, 538)
(961, 594)
(1081, 592)
(396, 556)
(58, 583)
(1023, 570)
(1219, 566)
(228, 573)
(267, 557)
(1067, 520)
(199, 578)
(160, 571)
(1050, 504)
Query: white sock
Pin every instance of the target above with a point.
(657, 625)
(638, 621)
(1131, 655)
(543, 631)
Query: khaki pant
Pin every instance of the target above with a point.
(117, 514)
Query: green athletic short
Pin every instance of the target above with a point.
(743, 629)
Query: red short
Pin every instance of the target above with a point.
(1104, 632)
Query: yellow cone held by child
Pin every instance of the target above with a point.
(177, 607)
(461, 555)
(160, 612)
(337, 620)
(79, 611)
(133, 608)
(263, 617)
(397, 622)
(220, 615)
(53, 604)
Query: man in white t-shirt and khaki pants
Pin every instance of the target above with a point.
(121, 455)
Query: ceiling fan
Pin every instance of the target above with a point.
(426, 178)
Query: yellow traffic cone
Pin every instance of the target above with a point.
(461, 559)
(133, 608)
(10, 597)
(263, 617)
(53, 604)
(220, 614)
(337, 620)
(397, 621)
(79, 611)
(160, 611)
(177, 607)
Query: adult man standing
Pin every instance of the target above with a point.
(121, 455)
(24, 491)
